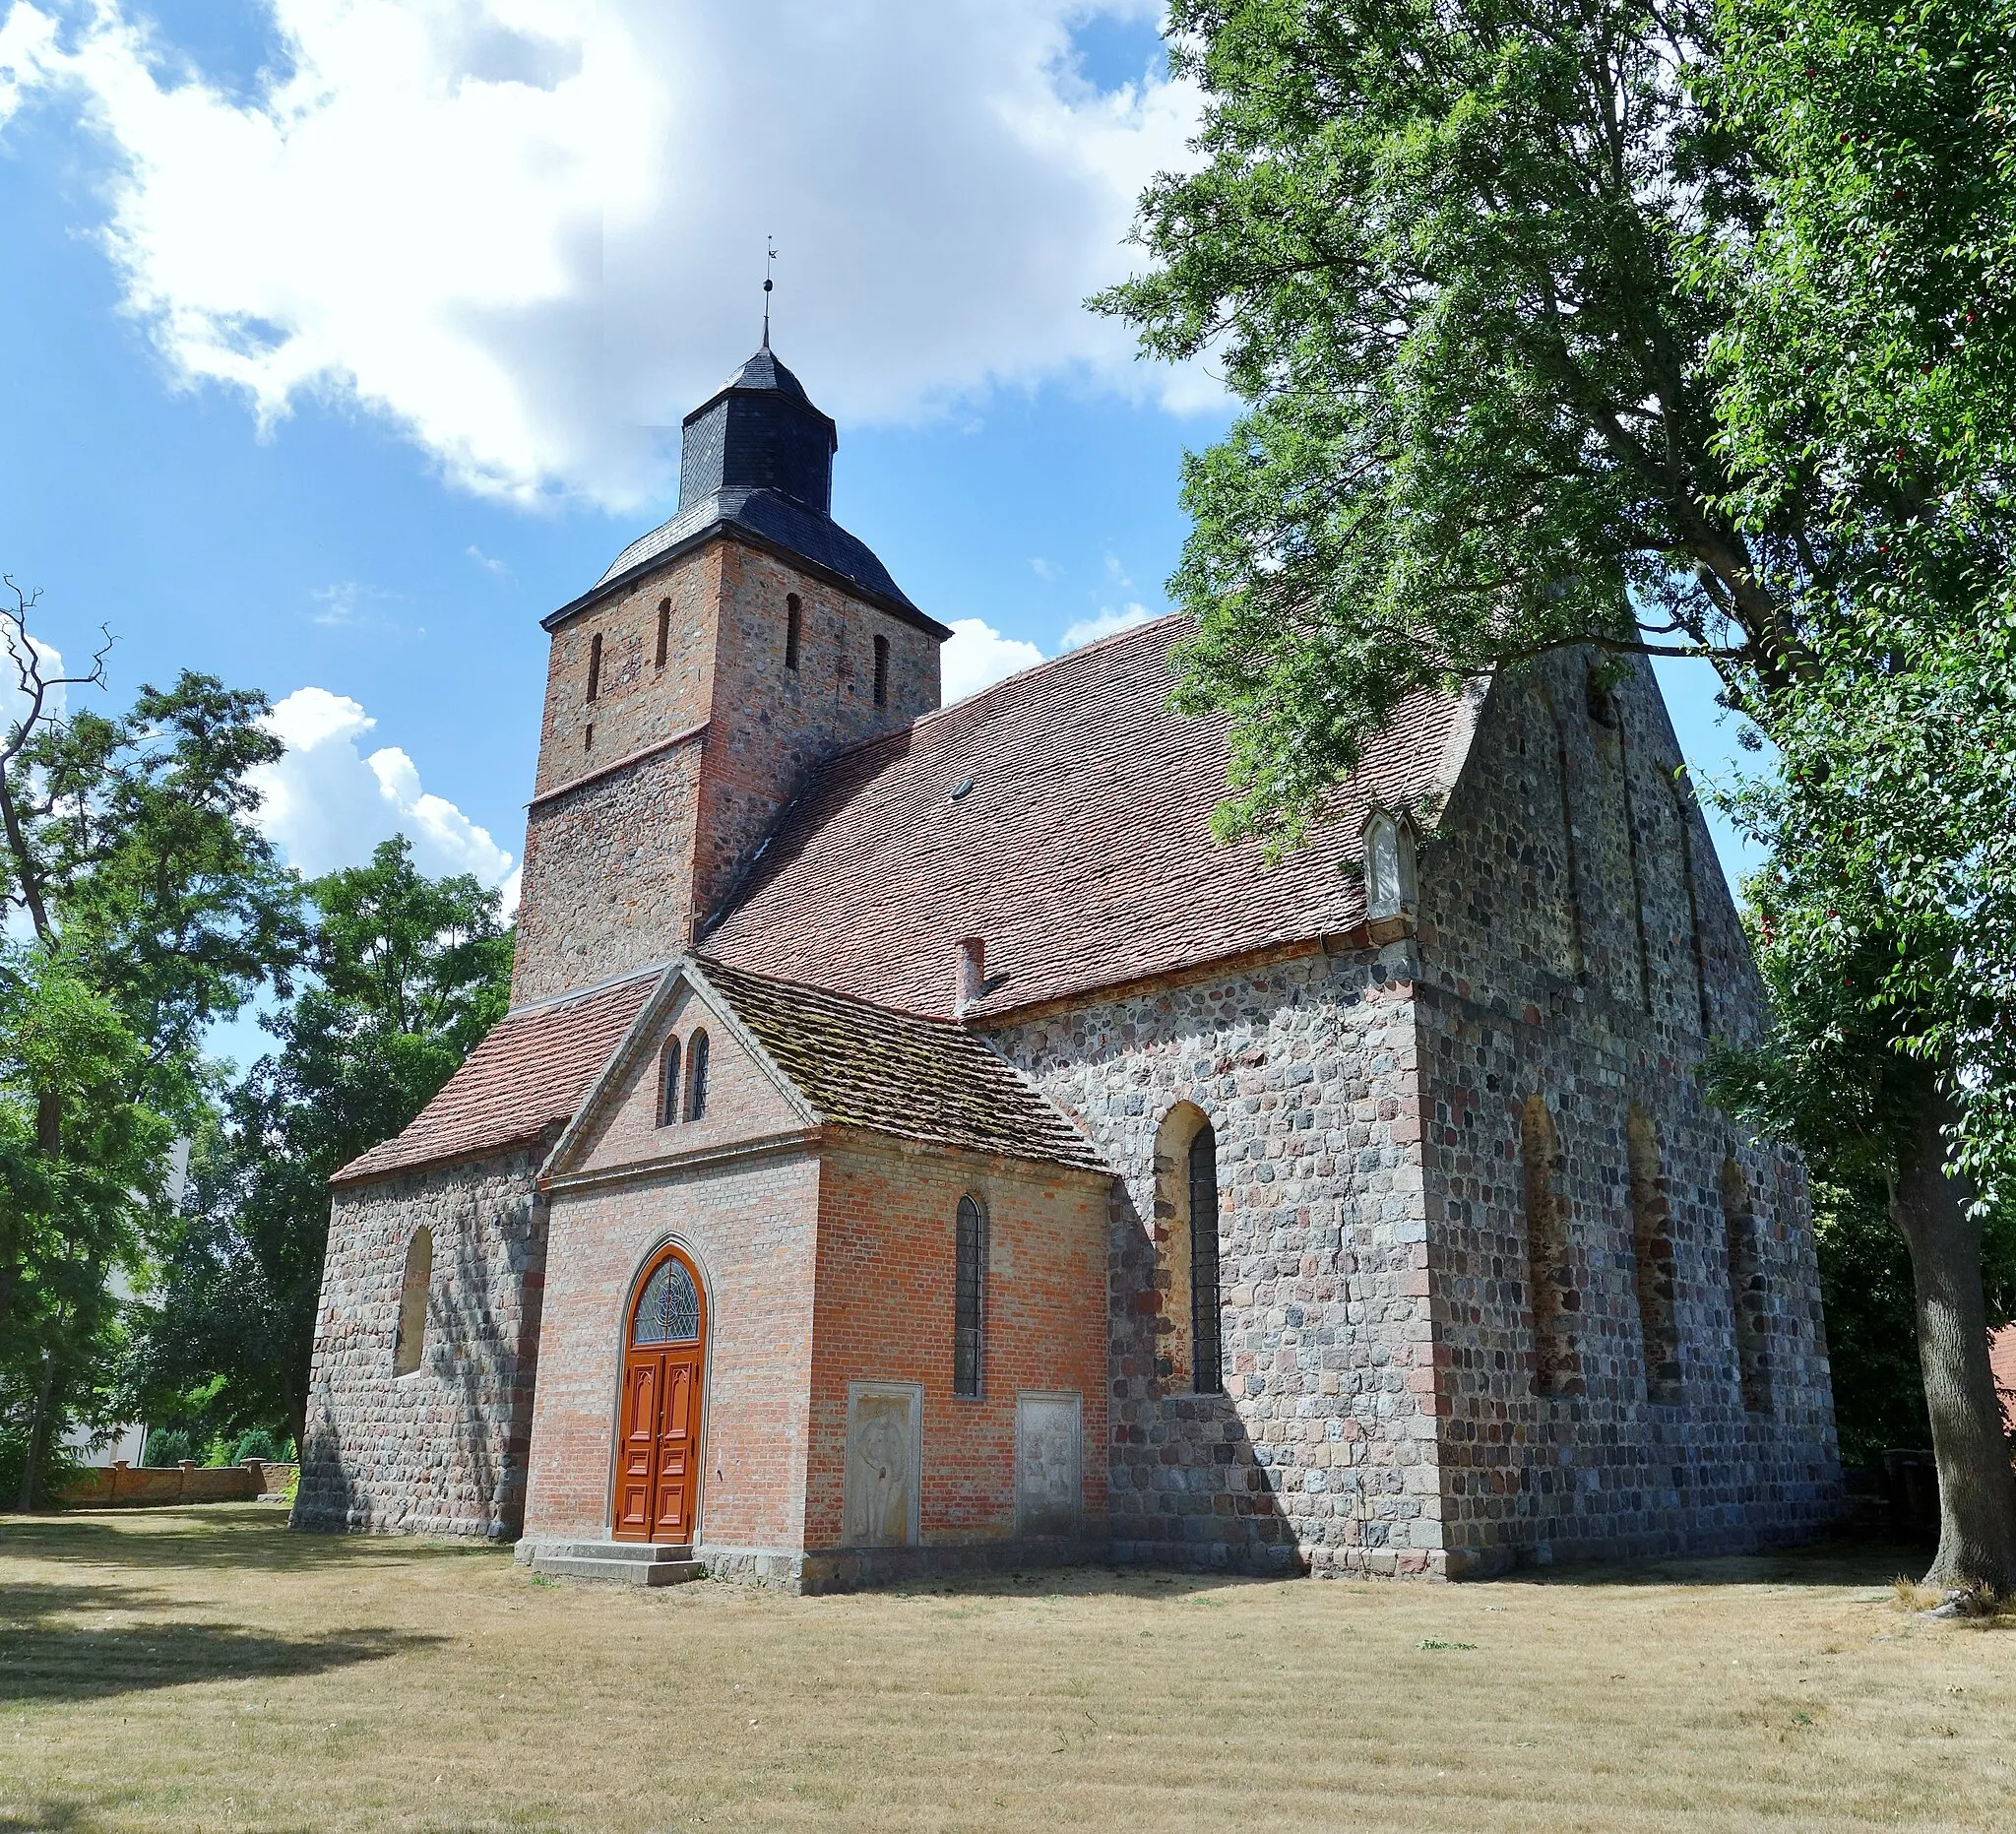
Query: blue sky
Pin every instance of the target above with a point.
(342, 342)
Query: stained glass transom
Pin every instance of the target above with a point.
(669, 1312)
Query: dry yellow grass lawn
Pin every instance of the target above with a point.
(207, 1670)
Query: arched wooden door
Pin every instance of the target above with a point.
(658, 1456)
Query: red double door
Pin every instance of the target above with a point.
(658, 1459)
(657, 1448)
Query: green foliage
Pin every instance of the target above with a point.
(407, 974)
(168, 1445)
(140, 904)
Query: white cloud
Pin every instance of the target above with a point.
(488, 562)
(1046, 570)
(325, 804)
(976, 655)
(1110, 622)
(530, 231)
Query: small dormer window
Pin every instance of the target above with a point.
(1389, 867)
(881, 672)
(793, 628)
(594, 665)
(696, 1078)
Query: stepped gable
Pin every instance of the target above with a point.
(523, 1081)
(922, 1079)
(1081, 854)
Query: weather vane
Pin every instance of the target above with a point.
(769, 284)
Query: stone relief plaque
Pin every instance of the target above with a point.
(1049, 1464)
(881, 1497)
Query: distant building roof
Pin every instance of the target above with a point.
(526, 1078)
(920, 1079)
(1081, 853)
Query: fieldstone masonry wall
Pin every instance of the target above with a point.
(1320, 1455)
(1577, 948)
(441, 1451)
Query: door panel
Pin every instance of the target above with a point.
(673, 1518)
(643, 1381)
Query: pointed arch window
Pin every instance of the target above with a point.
(696, 1077)
(1554, 1300)
(411, 1343)
(1207, 1351)
(668, 1307)
(668, 1083)
(969, 1298)
(1749, 1292)
(1652, 1256)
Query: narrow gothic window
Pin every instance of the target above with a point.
(1749, 1295)
(881, 672)
(1206, 1352)
(664, 630)
(669, 1084)
(696, 1077)
(1556, 1365)
(594, 665)
(412, 1339)
(968, 1301)
(1652, 1252)
(793, 628)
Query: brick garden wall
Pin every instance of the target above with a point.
(442, 1450)
(885, 1313)
(1580, 953)
(1320, 1454)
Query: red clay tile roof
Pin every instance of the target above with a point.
(1081, 854)
(528, 1076)
(2002, 1361)
(920, 1079)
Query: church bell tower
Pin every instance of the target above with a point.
(693, 689)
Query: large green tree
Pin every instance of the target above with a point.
(1661, 329)
(140, 904)
(406, 973)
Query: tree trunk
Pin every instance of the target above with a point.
(1976, 1491)
(30, 1497)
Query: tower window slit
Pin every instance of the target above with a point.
(594, 665)
(793, 628)
(881, 672)
(664, 630)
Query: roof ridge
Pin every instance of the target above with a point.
(709, 966)
(588, 991)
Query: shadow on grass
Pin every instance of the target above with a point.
(1839, 1562)
(48, 1655)
(232, 1535)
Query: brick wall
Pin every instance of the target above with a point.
(1574, 956)
(442, 1450)
(749, 1227)
(1320, 1454)
(885, 1313)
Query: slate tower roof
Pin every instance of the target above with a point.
(757, 456)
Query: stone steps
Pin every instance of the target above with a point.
(624, 1562)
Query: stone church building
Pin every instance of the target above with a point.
(916, 1145)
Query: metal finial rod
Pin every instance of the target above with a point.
(769, 261)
